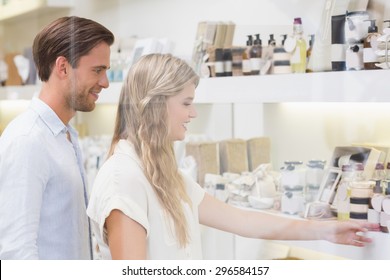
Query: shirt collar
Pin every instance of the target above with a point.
(50, 118)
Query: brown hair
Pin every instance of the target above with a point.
(71, 37)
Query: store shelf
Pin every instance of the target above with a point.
(237, 247)
(357, 86)
(347, 86)
(20, 9)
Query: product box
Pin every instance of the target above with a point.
(357, 154)
(259, 151)
(233, 156)
(206, 155)
(383, 148)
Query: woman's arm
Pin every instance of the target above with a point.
(253, 224)
(126, 237)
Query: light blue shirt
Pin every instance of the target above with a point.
(42, 189)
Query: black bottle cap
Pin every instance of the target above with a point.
(257, 40)
(218, 54)
(284, 38)
(271, 40)
(372, 28)
(249, 42)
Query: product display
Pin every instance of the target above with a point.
(228, 165)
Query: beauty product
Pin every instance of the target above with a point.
(246, 64)
(219, 64)
(281, 59)
(292, 201)
(268, 54)
(338, 46)
(344, 192)
(313, 178)
(377, 197)
(255, 54)
(227, 62)
(384, 221)
(356, 29)
(370, 45)
(298, 55)
(354, 57)
(237, 60)
(308, 54)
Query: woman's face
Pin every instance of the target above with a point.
(180, 112)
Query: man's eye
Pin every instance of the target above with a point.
(98, 70)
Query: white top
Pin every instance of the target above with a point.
(42, 189)
(121, 184)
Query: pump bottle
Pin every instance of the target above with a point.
(246, 64)
(281, 58)
(268, 53)
(255, 55)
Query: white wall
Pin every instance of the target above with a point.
(177, 19)
(297, 131)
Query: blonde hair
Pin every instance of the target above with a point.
(142, 119)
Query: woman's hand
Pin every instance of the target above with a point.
(347, 232)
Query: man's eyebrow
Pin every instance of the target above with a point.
(102, 66)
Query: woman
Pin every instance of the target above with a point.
(143, 207)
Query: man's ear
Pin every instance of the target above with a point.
(61, 66)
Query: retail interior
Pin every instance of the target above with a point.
(293, 120)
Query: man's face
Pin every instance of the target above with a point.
(89, 78)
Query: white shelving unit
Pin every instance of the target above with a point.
(347, 86)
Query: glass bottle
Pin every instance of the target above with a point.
(298, 56)
(255, 55)
(344, 192)
(308, 54)
(314, 174)
(246, 64)
(380, 175)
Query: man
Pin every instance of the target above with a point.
(42, 180)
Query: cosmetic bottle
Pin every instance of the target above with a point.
(268, 54)
(255, 54)
(377, 197)
(344, 192)
(370, 46)
(298, 55)
(354, 57)
(360, 194)
(218, 64)
(227, 62)
(246, 64)
(308, 54)
(281, 58)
